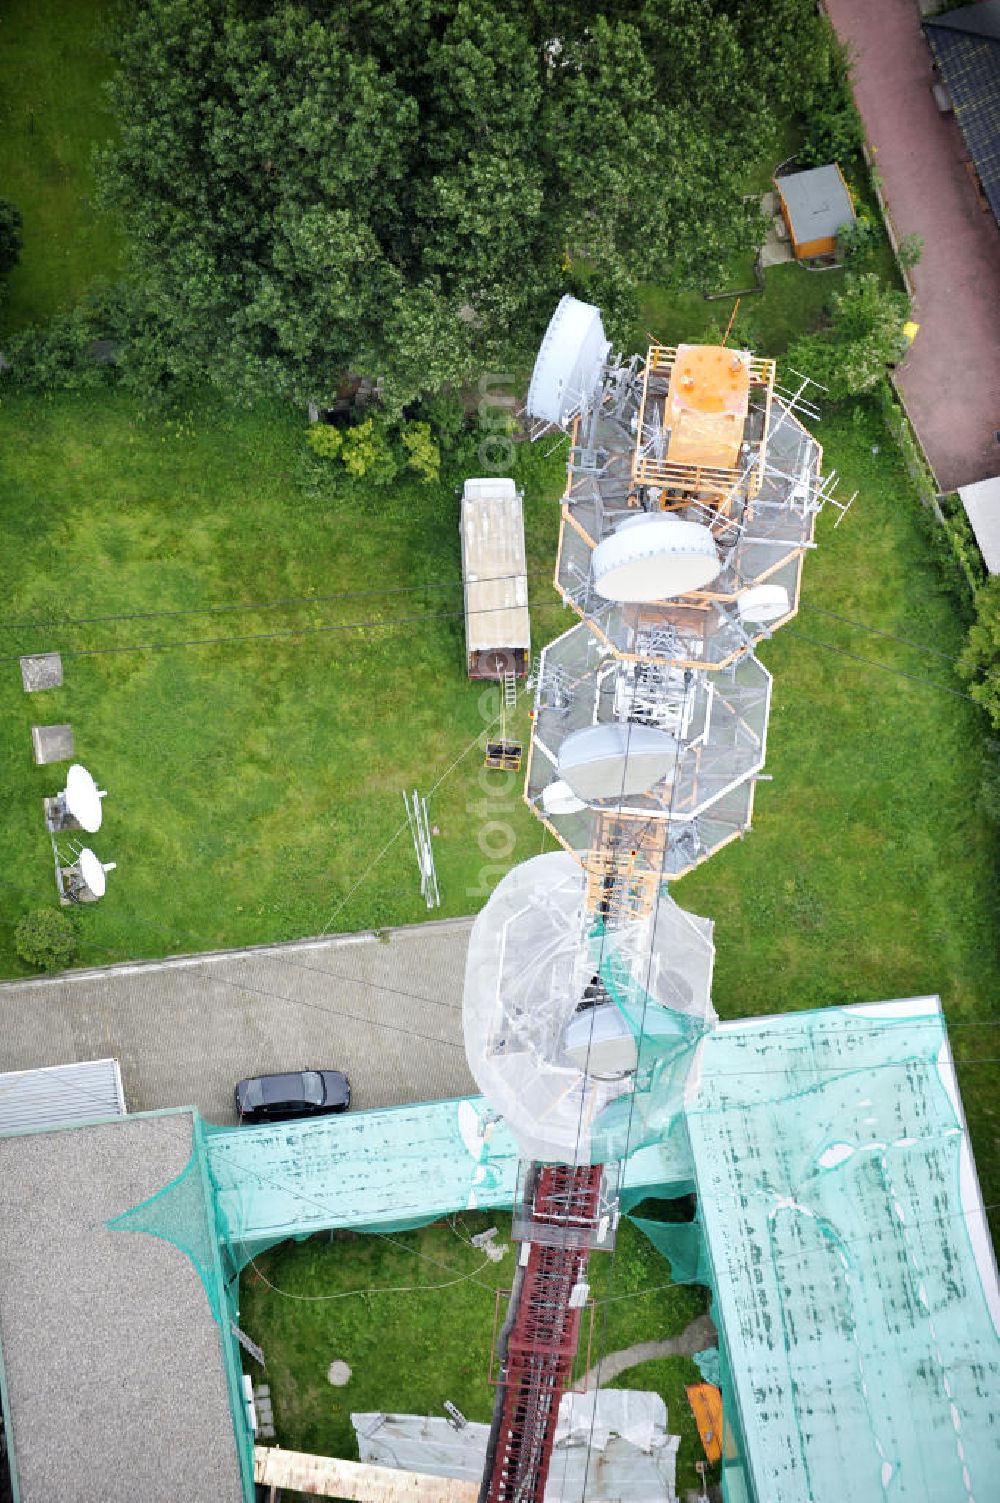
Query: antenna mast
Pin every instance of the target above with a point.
(691, 501)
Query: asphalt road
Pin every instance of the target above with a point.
(388, 1011)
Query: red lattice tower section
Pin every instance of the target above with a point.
(543, 1332)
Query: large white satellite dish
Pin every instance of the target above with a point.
(569, 363)
(82, 799)
(616, 761)
(559, 798)
(654, 557)
(93, 871)
(766, 602)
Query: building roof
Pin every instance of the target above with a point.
(115, 1380)
(61, 1093)
(493, 566)
(817, 203)
(853, 1273)
(982, 507)
(966, 48)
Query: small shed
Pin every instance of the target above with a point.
(497, 627)
(982, 507)
(814, 205)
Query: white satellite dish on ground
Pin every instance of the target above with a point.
(654, 556)
(559, 798)
(82, 799)
(764, 603)
(616, 761)
(93, 871)
(569, 362)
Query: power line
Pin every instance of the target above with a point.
(877, 631)
(855, 657)
(389, 590)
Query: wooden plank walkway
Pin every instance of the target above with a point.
(360, 1482)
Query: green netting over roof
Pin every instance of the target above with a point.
(851, 1265)
(839, 1228)
(383, 1170)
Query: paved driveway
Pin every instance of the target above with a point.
(951, 377)
(184, 1031)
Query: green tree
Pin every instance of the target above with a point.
(864, 335)
(404, 190)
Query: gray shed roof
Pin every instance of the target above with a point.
(116, 1386)
(817, 202)
(493, 566)
(982, 507)
(61, 1093)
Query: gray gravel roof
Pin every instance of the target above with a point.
(114, 1371)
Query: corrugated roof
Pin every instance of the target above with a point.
(61, 1093)
(982, 507)
(493, 567)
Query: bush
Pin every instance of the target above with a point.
(424, 456)
(834, 132)
(910, 249)
(46, 938)
(65, 353)
(446, 415)
(324, 440)
(367, 453)
(857, 238)
(10, 236)
(979, 663)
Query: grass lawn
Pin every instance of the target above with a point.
(51, 114)
(251, 783)
(409, 1351)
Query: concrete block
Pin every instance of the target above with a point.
(52, 743)
(41, 671)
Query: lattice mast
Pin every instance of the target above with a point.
(690, 503)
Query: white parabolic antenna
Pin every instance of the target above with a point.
(93, 871)
(654, 557)
(83, 798)
(569, 362)
(766, 602)
(616, 761)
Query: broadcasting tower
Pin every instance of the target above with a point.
(692, 493)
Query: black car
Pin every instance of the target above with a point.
(304, 1093)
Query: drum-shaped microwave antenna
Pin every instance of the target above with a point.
(612, 762)
(654, 557)
(764, 603)
(571, 356)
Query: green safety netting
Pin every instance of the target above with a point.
(839, 1229)
(849, 1259)
(184, 1213)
